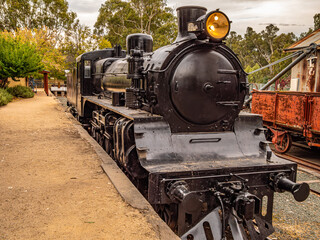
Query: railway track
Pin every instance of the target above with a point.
(314, 166)
(315, 192)
(302, 161)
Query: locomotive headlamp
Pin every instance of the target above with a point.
(217, 25)
(214, 25)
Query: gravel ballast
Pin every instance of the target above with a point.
(294, 220)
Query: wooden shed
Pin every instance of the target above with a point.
(305, 76)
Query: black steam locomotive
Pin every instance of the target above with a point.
(171, 120)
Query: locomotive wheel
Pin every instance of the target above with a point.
(283, 143)
(93, 132)
(107, 146)
(101, 140)
(97, 136)
(168, 214)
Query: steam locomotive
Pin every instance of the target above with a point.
(171, 120)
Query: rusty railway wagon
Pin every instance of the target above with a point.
(289, 116)
(171, 120)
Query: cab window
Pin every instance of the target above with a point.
(87, 69)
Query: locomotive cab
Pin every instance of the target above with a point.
(84, 82)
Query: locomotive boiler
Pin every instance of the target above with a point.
(171, 120)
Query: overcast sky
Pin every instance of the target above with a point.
(289, 15)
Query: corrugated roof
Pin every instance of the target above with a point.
(313, 37)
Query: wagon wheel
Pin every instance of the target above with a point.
(283, 143)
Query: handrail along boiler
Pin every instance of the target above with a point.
(171, 120)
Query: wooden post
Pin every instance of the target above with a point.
(45, 80)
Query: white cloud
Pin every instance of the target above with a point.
(85, 6)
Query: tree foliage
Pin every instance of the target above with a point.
(5, 97)
(20, 91)
(316, 19)
(256, 50)
(77, 41)
(44, 23)
(31, 14)
(52, 57)
(17, 58)
(118, 18)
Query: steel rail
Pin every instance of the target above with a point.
(316, 192)
(301, 161)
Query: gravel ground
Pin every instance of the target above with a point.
(294, 220)
(63, 101)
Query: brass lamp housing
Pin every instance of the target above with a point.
(216, 25)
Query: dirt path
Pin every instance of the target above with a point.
(51, 183)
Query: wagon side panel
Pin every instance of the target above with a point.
(290, 110)
(315, 114)
(264, 103)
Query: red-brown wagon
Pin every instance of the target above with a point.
(289, 115)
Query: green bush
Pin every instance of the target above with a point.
(21, 91)
(5, 97)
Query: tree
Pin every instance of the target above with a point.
(257, 77)
(17, 58)
(238, 44)
(304, 34)
(77, 41)
(256, 50)
(316, 19)
(52, 57)
(103, 43)
(35, 14)
(262, 44)
(53, 14)
(118, 18)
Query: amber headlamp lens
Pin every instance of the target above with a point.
(217, 25)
